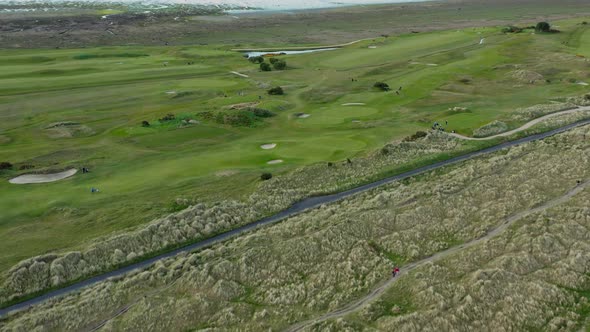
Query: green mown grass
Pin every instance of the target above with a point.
(141, 171)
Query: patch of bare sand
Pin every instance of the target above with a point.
(274, 162)
(43, 178)
(268, 146)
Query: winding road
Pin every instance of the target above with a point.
(297, 208)
(380, 289)
(525, 126)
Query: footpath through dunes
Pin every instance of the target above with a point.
(525, 126)
(380, 289)
(295, 209)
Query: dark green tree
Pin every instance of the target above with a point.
(276, 91)
(279, 65)
(265, 67)
(256, 59)
(543, 27)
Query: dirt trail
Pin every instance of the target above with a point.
(42, 178)
(525, 126)
(381, 288)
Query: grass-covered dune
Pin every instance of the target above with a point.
(85, 108)
(533, 275)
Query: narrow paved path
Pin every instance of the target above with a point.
(525, 126)
(297, 208)
(380, 289)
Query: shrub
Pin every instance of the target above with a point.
(382, 86)
(279, 64)
(543, 27)
(265, 66)
(265, 176)
(261, 113)
(415, 136)
(5, 165)
(273, 60)
(511, 29)
(168, 117)
(277, 90)
(256, 59)
(144, 123)
(491, 128)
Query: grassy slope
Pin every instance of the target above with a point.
(140, 171)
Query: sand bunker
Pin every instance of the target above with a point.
(242, 106)
(582, 83)
(170, 92)
(67, 129)
(268, 146)
(239, 74)
(432, 64)
(302, 115)
(372, 47)
(43, 178)
(276, 161)
(353, 104)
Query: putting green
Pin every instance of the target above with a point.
(338, 115)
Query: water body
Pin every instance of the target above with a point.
(253, 4)
(251, 54)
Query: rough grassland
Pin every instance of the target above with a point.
(145, 173)
(323, 259)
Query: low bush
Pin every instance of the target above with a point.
(5, 165)
(167, 117)
(256, 59)
(415, 136)
(145, 123)
(382, 86)
(511, 29)
(265, 66)
(490, 129)
(265, 176)
(279, 64)
(276, 91)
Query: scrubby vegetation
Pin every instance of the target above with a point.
(277, 90)
(5, 165)
(265, 66)
(247, 117)
(490, 129)
(382, 86)
(327, 257)
(201, 221)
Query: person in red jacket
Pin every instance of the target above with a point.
(395, 271)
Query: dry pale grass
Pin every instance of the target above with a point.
(325, 258)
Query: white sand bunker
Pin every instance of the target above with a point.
(582, 83)
(43, 178)
(170, 92)
(268, 146)
(276, 161)
(302, 115)
(432, 64)
(239, 74)
(353, 104)
(372, 47)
